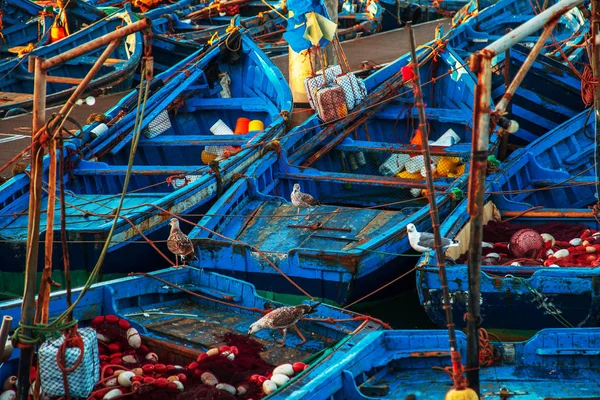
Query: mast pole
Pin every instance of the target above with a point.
(433, 212)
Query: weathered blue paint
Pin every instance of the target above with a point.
(97, 167)
(117, 74)
(528, 296)
(371, 215)
(555, 363)
(130, 298)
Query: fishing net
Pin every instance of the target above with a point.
(159, 125)
(525, 243)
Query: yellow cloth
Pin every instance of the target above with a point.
(317, 27)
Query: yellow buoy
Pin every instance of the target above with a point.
(207, 158)
(461, 394)
(407, 175)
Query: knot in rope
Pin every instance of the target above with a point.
(38, 333)
(96, 117)
(588, 83)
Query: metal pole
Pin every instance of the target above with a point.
(433, 211)
(481, 64)
(504, 143)
(4, 328)
(142, 24)
(535, 51)
(479, 150)
(33, 222)
(44, 293)
(529, 27)
(596, 72)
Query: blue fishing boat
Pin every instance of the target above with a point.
(33, 29)
(551, 93)
(181, 313)
(117, 72)
(268, 26)
(403, 364)
(545, 188)
(17, 12)
(351, 243)
(170, 174)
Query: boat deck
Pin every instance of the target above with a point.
(201, 327)
(329, 227)
(85, 212)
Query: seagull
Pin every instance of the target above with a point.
(422, 241)
(179, 244)
(302, 200)
(283, 318)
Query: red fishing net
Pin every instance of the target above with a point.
(525, 243)
(551, 244)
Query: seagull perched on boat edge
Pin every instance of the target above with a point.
(302, 200)
(283, 318)
(179, 244)
(423, 241)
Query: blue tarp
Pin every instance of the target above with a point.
(296, 25)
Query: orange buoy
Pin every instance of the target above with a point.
(57, 33)
(241, 126)
(417, 140)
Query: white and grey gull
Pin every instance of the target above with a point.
(283, 318)
(179, 244)
(423, 241)
(302, 200)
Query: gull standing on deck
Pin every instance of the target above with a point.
(302, 200)
(423, 241)
(179, 244)
(283, 318)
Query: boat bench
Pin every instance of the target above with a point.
(457, 150)
(372, 180)
(561, 182)
(245, 103)
(142, 170)
(197, 140)
(433, 114)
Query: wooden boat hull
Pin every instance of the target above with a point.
(529, 296)
(170, 319)
(97, 166)
(397, 364)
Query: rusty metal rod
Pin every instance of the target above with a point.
(62, 79)
(596, 73)
(33, 222)
(44, 292)
(516, 82)
(529, 27)
(504, 134)
(433, 211)
(481, 63)
(142, 24)
(4, 329)
(476, 191)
